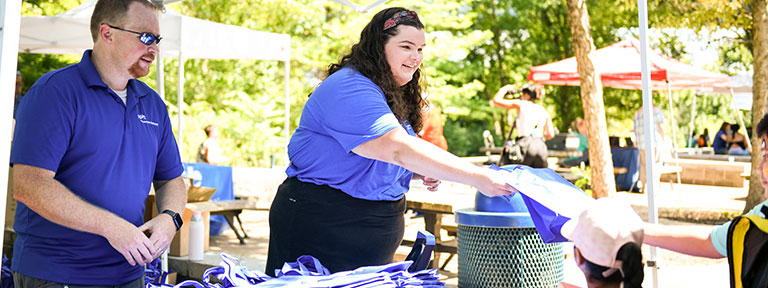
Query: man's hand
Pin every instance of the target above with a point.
(161, 230)
(132, 243)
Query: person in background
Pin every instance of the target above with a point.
(738, 143)
(658, 139)
(580, 129)
(722, 137)
(703, 139)
(209, 151)
(606, 238)
(355, 151)
(533, 123)
(17, 95)
(691, 141)
(90, 143)
(710, 242)
(432, 131)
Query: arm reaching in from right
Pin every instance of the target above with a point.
(694, 241)
(419, 156)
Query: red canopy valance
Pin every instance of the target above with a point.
(619, 67)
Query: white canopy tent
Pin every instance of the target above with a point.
(68, 33)
(741, 98)
(10, 12)
(741, 90)
(359, 8)
(183, 37)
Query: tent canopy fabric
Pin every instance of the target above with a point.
(741, 86)
(183, 37)
(69, 33)
(619, 67)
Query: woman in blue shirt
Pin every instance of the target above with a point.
(355, 152)
(720, 144)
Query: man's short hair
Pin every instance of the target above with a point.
(113, 12)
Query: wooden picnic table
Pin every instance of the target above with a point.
(550, 153)
(434, 205)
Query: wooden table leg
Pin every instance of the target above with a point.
(433, 222)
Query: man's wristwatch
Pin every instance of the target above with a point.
(176, 218)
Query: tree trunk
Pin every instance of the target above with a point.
(756, 193)
(603, 182)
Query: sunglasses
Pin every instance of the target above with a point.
(145, 37)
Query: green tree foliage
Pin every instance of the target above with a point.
(473, 48)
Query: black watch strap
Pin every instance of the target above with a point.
(176, 218)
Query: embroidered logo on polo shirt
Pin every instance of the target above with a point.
(143, 119)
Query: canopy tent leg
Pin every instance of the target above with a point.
(653, 217)
(693, 117)
(160, 74)
(10, 11)
(674, 130)
(741, 120)
(287, 107)
(180, 107)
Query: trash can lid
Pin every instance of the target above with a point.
(514, 203)
(472, 217)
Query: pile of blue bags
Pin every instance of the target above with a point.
(308, 272)
(305, 272)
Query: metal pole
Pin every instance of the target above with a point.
(160, 74)
(10, 11)
(650, 187)
(693, 117)
(180, 107)
(741, 120)
(672, 119)
(287, 107)
(674, 132)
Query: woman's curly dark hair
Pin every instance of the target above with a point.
(367, 57)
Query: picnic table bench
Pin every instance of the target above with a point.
(230, 209)
(433, 222)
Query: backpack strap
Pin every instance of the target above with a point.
(735, 245)
(737, 239)
(764, 209)
(504, 145)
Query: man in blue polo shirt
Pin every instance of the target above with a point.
(89, 142)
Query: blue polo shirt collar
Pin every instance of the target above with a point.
(92, 78)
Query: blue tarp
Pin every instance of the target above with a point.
(219, 177)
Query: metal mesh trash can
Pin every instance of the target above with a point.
(503, 249)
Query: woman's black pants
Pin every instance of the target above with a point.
(341, 231)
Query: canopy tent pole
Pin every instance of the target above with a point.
(287, 107)
(693, 116)
(650, 187)
(674, 131)
(10, 11)
(180, 107)
(160, 74)
(741, 120)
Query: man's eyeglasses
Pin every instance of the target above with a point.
(145, 37)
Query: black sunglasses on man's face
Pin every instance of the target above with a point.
(145, 37)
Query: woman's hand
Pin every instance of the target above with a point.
(431, 183)
(495, 184)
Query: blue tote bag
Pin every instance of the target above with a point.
(550, 198)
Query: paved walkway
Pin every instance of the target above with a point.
(677, 270)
